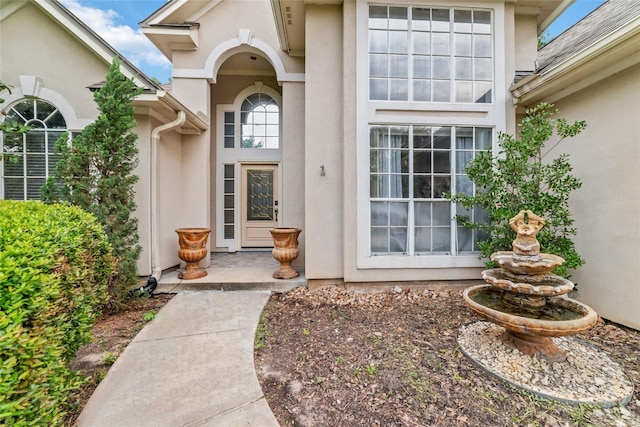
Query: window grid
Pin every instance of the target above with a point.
(229, 201)
(259, 122)
(411, 169)
(430, 55)
(229, 129)
(29, 159)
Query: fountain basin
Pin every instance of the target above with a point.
(530, 335)
(548, 285)
(533, 265)
(585, 316)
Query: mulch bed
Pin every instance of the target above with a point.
(337, 358)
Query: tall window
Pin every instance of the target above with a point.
(260, 122)
(430, 54)
(411, 168)
(28, 159)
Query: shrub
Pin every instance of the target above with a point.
(97, 173)
(520, 177)
(55, 263)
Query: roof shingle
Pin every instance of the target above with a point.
(604, 20)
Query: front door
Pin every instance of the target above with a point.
(259, 207)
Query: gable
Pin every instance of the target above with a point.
(36, 45)
(240, 32)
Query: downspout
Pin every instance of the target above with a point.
(156, 269)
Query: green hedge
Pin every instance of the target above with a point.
(55, 264)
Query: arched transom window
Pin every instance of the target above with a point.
(260, 122)
(28, 159)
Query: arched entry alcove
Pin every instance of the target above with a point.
(246, 152)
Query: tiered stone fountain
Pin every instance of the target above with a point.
(527, 342)
(526, 299)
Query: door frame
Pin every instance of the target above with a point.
(237, 157)
(241, 198)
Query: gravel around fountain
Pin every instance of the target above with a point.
(588, 376)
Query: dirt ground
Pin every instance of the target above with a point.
(332, 358)
(111, 334)
(335, 358)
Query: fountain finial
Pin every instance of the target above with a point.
(526, 224)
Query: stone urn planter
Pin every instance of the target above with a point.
(193, 249)
(285, 250)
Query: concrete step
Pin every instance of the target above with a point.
(238, 278)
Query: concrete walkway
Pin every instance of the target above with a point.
(241, 271)
(191, 366)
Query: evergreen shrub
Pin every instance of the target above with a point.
(97, 173)
(524, 176)
(55, 264)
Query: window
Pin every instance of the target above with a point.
(411, 168)
(229, 129)
(28, 159)
(260, 122)
(430, 54)
(229, 201)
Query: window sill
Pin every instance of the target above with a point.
(388, 107)
(427, 261)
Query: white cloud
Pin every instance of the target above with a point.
(128, 41)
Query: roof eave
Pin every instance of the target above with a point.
(289, 17)
(564, 5)
(609, 55)
(93, 41)
(168, 38)
(167, 107)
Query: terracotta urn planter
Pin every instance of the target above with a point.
(193, 249)
(285, 250)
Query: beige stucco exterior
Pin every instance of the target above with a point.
(312, 58)
(317, 134)
(607, 206)
(54, 75)
(600, 84)
(55, 84)
(237, 52)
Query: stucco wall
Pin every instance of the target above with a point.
(142, 191)
(171, 197)
(222, 24)
(227, 29)
(40, 47)
(195, 172)
(324, 143)
(526, 42)
(168, 206)
(293, 166)
(606, 209)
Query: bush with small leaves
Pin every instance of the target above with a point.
(522, 176)
(55, 264)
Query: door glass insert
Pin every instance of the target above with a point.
(260, 195)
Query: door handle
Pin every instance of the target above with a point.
(275, 209)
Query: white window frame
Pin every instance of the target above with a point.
(410, 55)
(368, 113)
(48, 134)
(412, 199)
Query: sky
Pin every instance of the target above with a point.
(116, 21)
